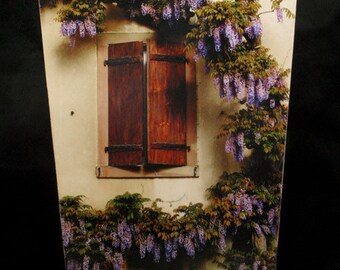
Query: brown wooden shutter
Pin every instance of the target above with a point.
(166, 102)
(125, 97)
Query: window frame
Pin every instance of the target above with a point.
(103, 170)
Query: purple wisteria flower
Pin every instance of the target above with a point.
(240, 145)
(222, 235)
(148, 10)
(81, 27)
(108, 255)
(273, 219)
(259, 204)
(194, 4)
(125, 235)
(261, 93)
(150, 243)
(157, 252)
(236, 146)
(189, 246)
(200, 233)
(82, 226)
(217, 38)
(234, 37)
(239, 85)
(265, 229)
(67, 233)
(115, 239)
(174, 248)
(279, 14)
(168, 249)
(167, 12)
(231, 86)
(177, 9)
(225, 89)
(202, 49)
(271, 80)
(222, 242)
(218, 83)
(90, 27)
(258, 229)
(115, 259)
(69, 28)
(255, 29)
(86, 262)
(228, 87)
(251, 90)
(142, 249)
(247, 203)
(257, 90)
(229, 145)
(118, 261)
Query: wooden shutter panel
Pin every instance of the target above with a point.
(166, 101)
(125, 97)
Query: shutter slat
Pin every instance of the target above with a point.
(125, 97)
(166, 100)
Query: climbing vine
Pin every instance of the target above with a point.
(243, 206)
(129, 230)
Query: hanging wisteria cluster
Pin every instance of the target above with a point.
(236, 146)
(158, 11)
(261, 126)
(224, 44)
(70, 28)
(242, 69)
(190, 242)
(251, 90)
(263, 122)
(81, 19)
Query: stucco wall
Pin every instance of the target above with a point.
(71, 75)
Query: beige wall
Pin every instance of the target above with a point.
(71, 75)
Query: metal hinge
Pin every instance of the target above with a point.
(123, 147)
(123, 60)
(170, 146)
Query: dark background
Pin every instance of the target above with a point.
(310, 230)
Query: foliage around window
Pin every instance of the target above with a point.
(226, 35)
(141, 234)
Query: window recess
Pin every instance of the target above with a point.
(147, 104)
(146, 110)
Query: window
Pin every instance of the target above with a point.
(148, 113)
